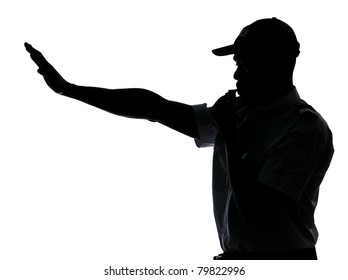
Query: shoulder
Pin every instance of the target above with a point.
(310, 120)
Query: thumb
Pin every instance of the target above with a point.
(41, 72)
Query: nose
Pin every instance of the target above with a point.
(238, 73)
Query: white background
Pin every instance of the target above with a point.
(81, 189)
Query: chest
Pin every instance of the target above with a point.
(256, 137)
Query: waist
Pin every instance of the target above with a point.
(304, 254)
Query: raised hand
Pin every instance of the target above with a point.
(53, 79)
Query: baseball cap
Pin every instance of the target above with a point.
(265, 36)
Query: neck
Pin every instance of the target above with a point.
(272, 94)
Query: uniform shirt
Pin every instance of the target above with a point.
(286, 146)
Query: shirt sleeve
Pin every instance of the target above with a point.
(298, 160)
(205, 125)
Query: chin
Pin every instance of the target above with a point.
(245, 95)
(242, 91)
(241, 87)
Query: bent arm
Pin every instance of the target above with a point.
(257, 203)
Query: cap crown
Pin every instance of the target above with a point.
(268, 36)
(265, 36)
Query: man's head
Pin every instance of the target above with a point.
(265, 52)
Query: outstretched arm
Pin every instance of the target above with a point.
(131, 102)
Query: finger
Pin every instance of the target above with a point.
(39, 61)
(231, 96)
(27, 46)
(30, 48)
(36, 56)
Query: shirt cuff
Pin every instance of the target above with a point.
(205, 125)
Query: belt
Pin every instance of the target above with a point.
(304, 254)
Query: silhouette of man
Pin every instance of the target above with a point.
(271, 149)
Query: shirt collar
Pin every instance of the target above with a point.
(282, 104)
(271, 110)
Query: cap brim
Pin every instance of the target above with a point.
(224, 50)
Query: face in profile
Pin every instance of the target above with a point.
(260, 76)
(252, 77)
